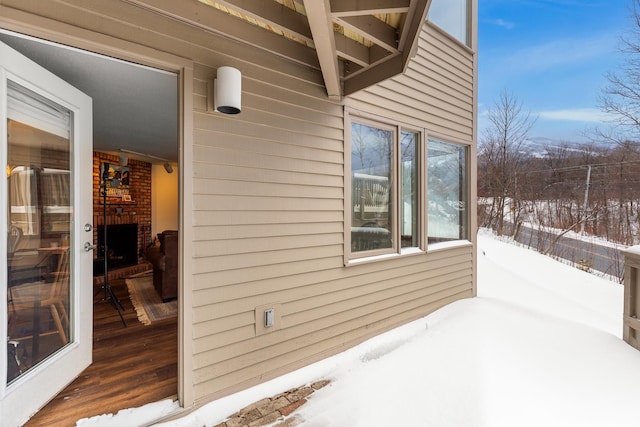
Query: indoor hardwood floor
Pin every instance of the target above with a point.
(132, 366)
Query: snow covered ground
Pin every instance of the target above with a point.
(539, 346)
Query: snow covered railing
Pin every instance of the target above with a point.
(631, 322)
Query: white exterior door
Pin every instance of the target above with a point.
(45, 221)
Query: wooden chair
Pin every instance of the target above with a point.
(33, 296)
(15, 235)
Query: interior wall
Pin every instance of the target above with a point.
(164, 199)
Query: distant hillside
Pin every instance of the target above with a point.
(537, 146)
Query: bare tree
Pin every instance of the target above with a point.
(500, 156)
(621, 97)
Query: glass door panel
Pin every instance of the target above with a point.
(39, 200)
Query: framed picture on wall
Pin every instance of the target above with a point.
(117, 179)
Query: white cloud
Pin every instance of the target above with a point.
(553, 3)
(561, 52)
(574, 3)
(576, 115)
(502, 23)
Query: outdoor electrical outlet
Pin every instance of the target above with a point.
(269, 317)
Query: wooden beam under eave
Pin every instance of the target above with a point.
(274, 14)
(352, 50)
(319, 16)
(378, 54)
(212, 20)
(341, 8)
(372, 29)
(374, 74)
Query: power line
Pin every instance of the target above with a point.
(580, 167)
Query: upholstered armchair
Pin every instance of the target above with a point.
(164, 259)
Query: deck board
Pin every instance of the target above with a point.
(131, 367)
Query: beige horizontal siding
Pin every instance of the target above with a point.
(303, 302)
(256, 231)
(225, 338)
(335, 279)
(262, 245)
(313, 309)
(257, 217)
(322, 318)
(436, 92)
(237, 355)
(255, 272)
(324, 343)
(238, 265)
(268, 193)
(269, 175)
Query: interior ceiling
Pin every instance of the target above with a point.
(134, 107)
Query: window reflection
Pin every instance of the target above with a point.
(38, 203)
(409, 172)
(371, 172)
(447, 192)
(452, 16)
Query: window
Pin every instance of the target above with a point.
(409, 144)
(385, 188)
(452, 16)
(405, 195)
(446, 192)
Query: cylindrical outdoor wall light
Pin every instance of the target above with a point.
(228, 90)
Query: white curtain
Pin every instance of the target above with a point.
(23, 199)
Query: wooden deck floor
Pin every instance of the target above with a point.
(131, 366)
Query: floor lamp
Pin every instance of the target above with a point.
(109, 296)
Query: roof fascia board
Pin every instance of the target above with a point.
(408, 42)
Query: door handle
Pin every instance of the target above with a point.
(89, 247)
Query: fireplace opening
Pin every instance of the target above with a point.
(122, 246)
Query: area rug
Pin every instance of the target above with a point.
(147, 302)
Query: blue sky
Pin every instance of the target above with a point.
(553, 55)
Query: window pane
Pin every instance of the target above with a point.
(39, 212)
(451, 16)
(447, 192)
(409, 188)
(371, 193)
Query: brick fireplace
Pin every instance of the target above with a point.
(123, 211)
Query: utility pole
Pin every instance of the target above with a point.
(586, 200)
